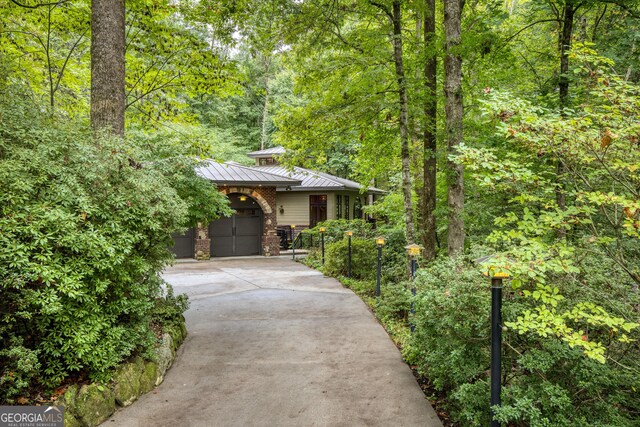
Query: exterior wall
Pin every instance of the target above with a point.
(353, 195)
(293, 207)
(296, 205)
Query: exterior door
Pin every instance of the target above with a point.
(183, 244)
(317, 209)
(240, 234)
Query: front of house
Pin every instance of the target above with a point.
(268, 200)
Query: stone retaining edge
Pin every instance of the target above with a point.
(92, 404)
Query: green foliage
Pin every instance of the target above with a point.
(84, 235)
(363, 258)
(547, 381)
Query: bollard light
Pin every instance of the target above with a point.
(380, 244)
(322, 231)
(293, 240)
(496, 274)
(413, 251)
(349, 233)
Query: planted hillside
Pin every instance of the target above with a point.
(85, 231)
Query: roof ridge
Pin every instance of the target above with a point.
(322, 175)
(238, 165)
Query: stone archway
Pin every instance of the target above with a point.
(251, 192)
(266, 199)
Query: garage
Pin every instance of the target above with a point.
(183, 244)
(239, 234)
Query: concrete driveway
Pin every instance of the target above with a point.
(274, 343)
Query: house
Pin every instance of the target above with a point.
(268, 197)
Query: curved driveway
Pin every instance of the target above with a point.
(274, 343)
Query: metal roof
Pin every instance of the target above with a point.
(269, 152)
(313, 180)
(235, 174)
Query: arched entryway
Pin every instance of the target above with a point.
(240, 234)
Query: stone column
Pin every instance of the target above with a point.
(202, 242)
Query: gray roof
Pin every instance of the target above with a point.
(235, 174)
(269, 152)
(313, 180)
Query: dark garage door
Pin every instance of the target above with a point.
(240, 234)
(184, 244)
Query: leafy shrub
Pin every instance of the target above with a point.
(363, 258)
(548, 383)
(83, 237)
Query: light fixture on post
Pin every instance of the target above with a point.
(413, 251)
(497, 274)
(380, 244)
(349, 234)
(322, 230)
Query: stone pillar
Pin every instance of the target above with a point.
(202, 242)
(270, 239)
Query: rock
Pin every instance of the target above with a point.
(126, 388)
(68, 400)
(70, 420)
(164, 356)
(94, 404)
(149, 377)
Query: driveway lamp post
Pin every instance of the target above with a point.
(349, 233)
(293, 240)
(413, 251)
(322, 231)
(380, 244)
(496, 276)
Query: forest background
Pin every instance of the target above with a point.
(503, 127)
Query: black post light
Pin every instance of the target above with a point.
(293, 240)
(380, 244)
(413, 251)
(349, 233)
(496, 275)
(322, 231)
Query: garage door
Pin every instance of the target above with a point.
(238, 235)
(183, 246)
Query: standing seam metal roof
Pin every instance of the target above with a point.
(230, 174)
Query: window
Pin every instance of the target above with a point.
(338, 206)
(346, 207)
(357, 208)
(265, 161)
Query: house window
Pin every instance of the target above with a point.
(357, 208)
(338, 206)
(346, 207)
(266, 161)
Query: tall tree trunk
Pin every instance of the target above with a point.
(454, 114)
(265, 114)
(404, 120)
(568, 13)
(430, 135)
(107, 65)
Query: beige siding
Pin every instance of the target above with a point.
(296, 207)
(331, 205)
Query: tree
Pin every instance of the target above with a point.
(107, 66)
(454, 115)
(429, 166)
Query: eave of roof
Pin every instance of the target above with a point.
(317, 181)
(274, 151)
